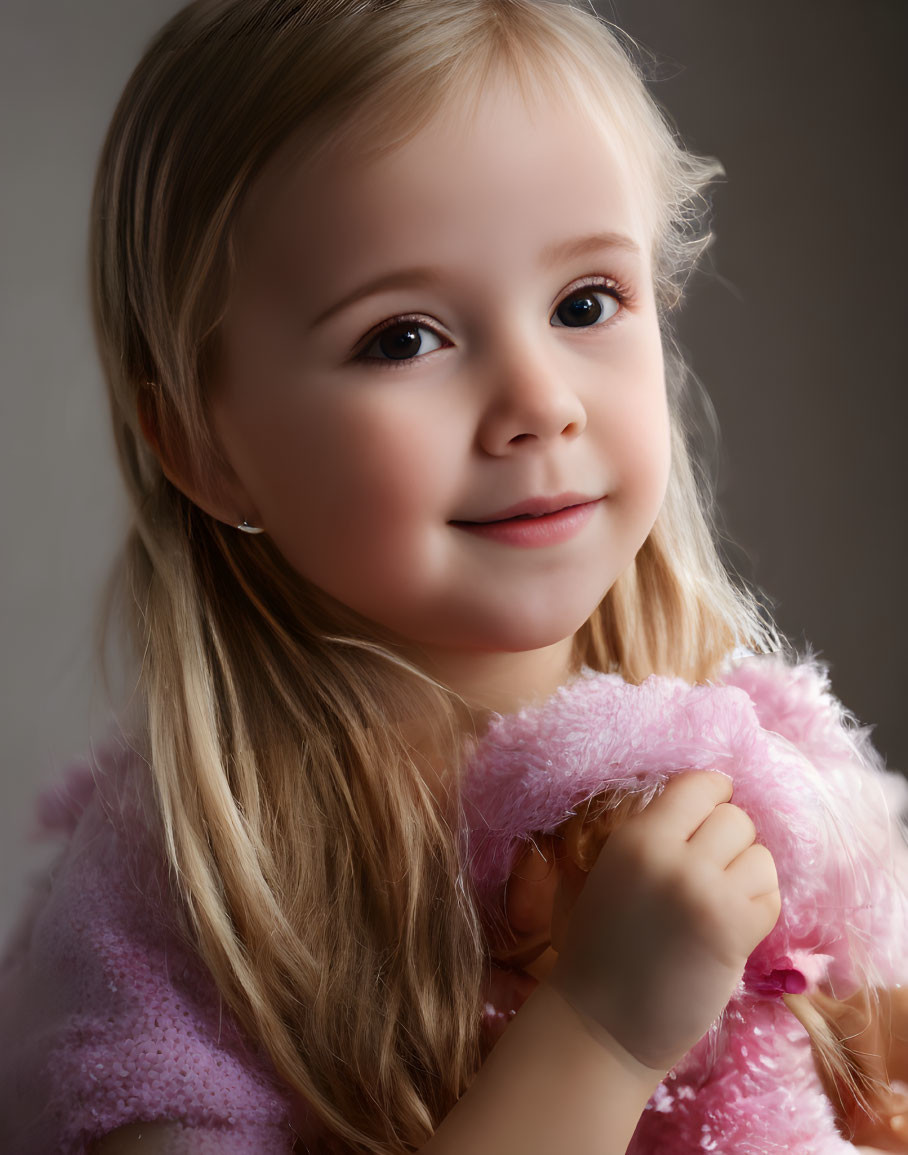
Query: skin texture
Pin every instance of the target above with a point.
(357, 468)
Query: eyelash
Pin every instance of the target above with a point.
(609, 285)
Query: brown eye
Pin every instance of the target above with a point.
(585, 307)
(402, 341)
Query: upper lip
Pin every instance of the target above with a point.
(533, 506)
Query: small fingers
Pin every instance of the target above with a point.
(724, 834)
(750, 896)
(686, 802)
(754, 872)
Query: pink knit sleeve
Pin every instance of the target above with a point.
(108, 1019)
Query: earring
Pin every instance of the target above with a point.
(247, 528)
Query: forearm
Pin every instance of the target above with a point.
(550, 1084)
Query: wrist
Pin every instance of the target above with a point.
(633, 1067)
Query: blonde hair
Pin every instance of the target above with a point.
(318, 872)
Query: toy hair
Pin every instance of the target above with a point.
(317, 870)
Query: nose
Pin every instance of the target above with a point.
(530, 400)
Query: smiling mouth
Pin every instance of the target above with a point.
(528, 529)
(535, 509)
(528, 516)
(525, 516)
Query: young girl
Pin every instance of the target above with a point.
(383, 292)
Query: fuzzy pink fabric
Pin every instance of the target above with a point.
(105, 1016)
(820, 800)
(108, 1018)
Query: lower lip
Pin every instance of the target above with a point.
(530, 532)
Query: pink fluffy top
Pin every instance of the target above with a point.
(108, 1017)
(821, 802)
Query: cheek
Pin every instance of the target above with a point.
(641, 429)
(390, 458)
(652, 426)
(333, 466)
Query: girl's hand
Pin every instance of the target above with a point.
(662, 926)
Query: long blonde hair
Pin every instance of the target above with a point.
(318, 874)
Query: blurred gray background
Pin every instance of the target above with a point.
(796, 328)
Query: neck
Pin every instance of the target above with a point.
(503, 682)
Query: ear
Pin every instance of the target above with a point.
(221, 496)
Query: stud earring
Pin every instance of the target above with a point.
(247, 528)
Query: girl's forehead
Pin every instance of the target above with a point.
(472, 208)
(487, 144)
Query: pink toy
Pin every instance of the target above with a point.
(821, 802)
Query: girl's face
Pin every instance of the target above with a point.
(424, 341)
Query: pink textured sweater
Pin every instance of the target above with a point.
(108, 1018)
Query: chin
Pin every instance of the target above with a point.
(510, 634)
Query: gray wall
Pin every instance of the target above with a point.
(796, 334)
(799, 333)
(62, 66)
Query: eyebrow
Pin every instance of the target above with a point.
(582, 246)
(553, 254)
